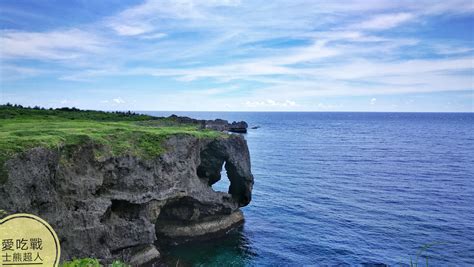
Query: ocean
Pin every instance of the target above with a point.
(350, 189)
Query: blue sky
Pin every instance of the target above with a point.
(233, 55)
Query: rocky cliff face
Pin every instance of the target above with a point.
(217, 124)
(117, 206)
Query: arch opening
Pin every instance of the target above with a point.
(223, 185)
(233, 178)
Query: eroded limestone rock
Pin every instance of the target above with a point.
(176, 232)
(111, 207)
(217, 124)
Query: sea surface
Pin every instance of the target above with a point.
(350, 189)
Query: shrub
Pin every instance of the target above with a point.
(89, 262)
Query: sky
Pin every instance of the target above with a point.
(232, 55)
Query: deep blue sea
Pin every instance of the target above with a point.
(350, 189)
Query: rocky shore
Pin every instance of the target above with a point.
(217, 124)
(121, 207)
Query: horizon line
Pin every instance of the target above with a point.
(246, 111)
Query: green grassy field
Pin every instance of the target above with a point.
(118, 133)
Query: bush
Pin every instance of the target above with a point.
(86, 262)
(89, 262)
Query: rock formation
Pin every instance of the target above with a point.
(217, 124)
(119, 207)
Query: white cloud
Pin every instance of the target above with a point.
(118, 100)
(446, 49)
(145, 17)
(334, 48)
(154, 36)
(401, 69)
(270, 103)
(318, 50)
(358, 77)
(130, 30)
(12, 72)
(385, 21)
(373, 101)
(55, 45)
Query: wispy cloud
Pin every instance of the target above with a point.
(276, 50)
(385, 21)
(270, 103)
(118, 100)
(153, 36)
(13, 72)
(130, 29)
(55, 45)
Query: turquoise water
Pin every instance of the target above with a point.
(350, 189)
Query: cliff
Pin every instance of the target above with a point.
(125, 205)
(217, 124)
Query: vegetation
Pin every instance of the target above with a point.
(14, 111)
(88, 262)
(3, 213)
(117, 133)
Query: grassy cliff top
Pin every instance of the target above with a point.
(119, 132)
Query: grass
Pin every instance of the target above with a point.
(89, 262)
(122, 133)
